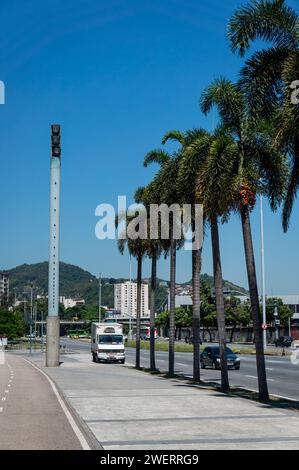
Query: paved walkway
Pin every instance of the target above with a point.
(31, 416)
(129, 409)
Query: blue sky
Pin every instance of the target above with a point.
(116, 75)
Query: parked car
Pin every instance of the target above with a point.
(210, 357)
(284, 341)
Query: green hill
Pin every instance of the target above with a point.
(75, 281)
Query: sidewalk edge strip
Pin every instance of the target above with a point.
(83, 442)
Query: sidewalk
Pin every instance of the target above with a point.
(31, 414)
(129, 409)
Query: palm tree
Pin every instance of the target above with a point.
(189, 165)
(137, 248)
(208, 157)
(256, 159)
(166, 191)
(146, 196)
(213, 185)
(268, 74)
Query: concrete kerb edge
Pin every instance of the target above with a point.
(90, 438)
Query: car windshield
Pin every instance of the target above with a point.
(110, 339)
(216, 351)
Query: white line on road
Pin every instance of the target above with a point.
(1, 409)
(251, 376)
(3, 398)
(68, 415)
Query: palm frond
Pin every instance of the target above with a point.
(174, 135)
(156, 156)
(292, 190)
(268, 20)
(261, 80)
(228, 100)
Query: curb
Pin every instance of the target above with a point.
(91, 443)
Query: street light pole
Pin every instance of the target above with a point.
(52, 349)
(31, 316)
(100, 296)
(263, 273)
(129, 301)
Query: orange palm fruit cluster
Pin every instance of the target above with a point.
(247, 196)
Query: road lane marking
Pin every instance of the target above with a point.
(3, 398)
(1, 409)
(251, 376)
(68, 415)
(275, 362)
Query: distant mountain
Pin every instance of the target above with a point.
(76, 281)
(234, 288)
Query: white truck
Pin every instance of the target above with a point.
(107, 342)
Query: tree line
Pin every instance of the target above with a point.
(254, 149)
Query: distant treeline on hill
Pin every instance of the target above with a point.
(76, 281)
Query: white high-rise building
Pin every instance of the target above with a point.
(125, 299)
(4, 288)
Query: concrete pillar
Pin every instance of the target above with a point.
(52, 347)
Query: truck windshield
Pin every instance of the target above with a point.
(110, 339)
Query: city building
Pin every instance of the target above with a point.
(125, 299)
(70, 302)
(292, 301)
(181, 300)
(4, 288)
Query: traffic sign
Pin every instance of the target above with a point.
(264, 326)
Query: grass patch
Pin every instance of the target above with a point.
(161, 346)
(185, 347)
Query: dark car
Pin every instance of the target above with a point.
(284, 341)
(210, 357)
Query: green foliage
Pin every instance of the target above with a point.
(236, 314)
(11, 324)
(284, 312)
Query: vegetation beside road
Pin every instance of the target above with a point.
(185, 347)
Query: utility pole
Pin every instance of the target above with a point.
(129, 301)
(263, 273)
(100, 296)
(31, 316)
(52, 350)
(42, 332)
(277, 322)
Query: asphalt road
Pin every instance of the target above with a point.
(31, 418)
(282, 375)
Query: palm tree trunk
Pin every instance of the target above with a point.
(196, 268)
(255, 307)
(172, 304)
(218, 283)
(152, 310)
(138, 313)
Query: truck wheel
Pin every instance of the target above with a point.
(123, 361)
